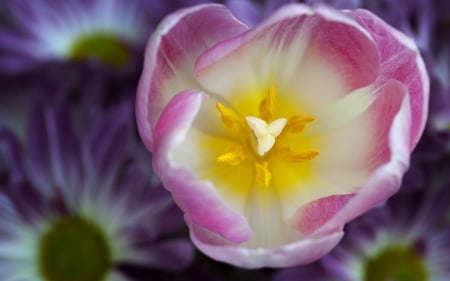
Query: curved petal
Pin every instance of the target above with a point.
(381, 116)
(386, 179)
(300, 252)
(198, 199)
(365, 138)
(400, 60)
(297, 50)
(313, 215)
(351, 145)
(170, 56)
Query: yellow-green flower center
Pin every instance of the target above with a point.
(73, 249)
(103, 47)
(259, 139)
(399, 264)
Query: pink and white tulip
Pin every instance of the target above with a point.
(271, 139)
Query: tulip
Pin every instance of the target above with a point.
(271, 139)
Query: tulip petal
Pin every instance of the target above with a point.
(316, 213)
(370, 147)
(386, 179)
(170, 56)
(400, 60)
(300, 252)
(313, 56)
(346, 159)
(198, 199)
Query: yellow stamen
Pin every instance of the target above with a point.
(289, 155)
(230, 118)
(296, 123)
(263, 175)
(267, 105)
(233, 155)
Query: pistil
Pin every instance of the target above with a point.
(265, 133)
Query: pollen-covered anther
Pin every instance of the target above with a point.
(297, 123)
(233, 155)
(267, 105)
(230, 118)
(290, 155)
(265, 133)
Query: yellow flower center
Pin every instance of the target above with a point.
(259, 139)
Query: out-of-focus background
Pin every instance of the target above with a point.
(76, 183)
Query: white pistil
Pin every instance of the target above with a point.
(265, 133)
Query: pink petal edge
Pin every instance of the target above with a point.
(296, 253)
(363, 44)
(198, 199)
(171, 46)
(385, 180)
(408, 123)
(314, 214)
(401, 60)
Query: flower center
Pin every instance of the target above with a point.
(265, 133)
(101, 46)
(262, 138)
(73, 249)
(400, 264)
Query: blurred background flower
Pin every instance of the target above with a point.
(407, 239)
(73, 209)
(105, 31)
(70, 157)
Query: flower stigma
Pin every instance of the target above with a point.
(265, 133)
(262, 138)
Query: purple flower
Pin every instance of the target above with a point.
(106, 31)
(79, 206)
(311, 272)
(408, 239)
(439, 68)
(415, 18)
(251, 12)
(339, 4)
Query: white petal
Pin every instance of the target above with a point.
(342, 111)
(265, 215)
